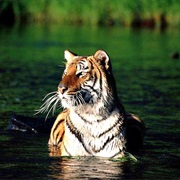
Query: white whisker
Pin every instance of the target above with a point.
(52, 108)
(46, 105)
(48, 112)
(54, 92)
(49, 105)
(78, 99)
(72, 102)
(55, 105)
(81, 98)
(48, 101)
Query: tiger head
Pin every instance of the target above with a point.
(87, 80)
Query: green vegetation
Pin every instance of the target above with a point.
(93, 12)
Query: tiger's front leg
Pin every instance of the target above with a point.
(58, 130)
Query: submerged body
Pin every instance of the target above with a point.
(94, 122)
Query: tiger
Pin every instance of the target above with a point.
(93, 121)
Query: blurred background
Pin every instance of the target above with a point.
(142, 39)
(144, 13)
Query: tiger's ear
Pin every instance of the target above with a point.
(101, 56)
(69, 55)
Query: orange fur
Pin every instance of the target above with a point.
(94, 120)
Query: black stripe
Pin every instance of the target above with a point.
(57, 125)
(66, 150)
(75, 131)
(92, 67)
(90, 88)
(107, 141)
(117, 153)
(100, 78)
(60, 138)
(109, 129)
(118, 121)
(95, 77)
(83, 118)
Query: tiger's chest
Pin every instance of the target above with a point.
(88, 136)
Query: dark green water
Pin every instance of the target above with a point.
(148, 82)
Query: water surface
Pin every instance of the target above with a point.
(148, 85)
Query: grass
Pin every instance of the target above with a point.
(93, 12)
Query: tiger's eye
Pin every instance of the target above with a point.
(81, 74)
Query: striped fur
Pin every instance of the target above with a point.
(94, 121)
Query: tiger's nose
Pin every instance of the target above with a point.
(62, 88)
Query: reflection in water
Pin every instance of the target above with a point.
(86, 167)
(93, 168)
(54, 151)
